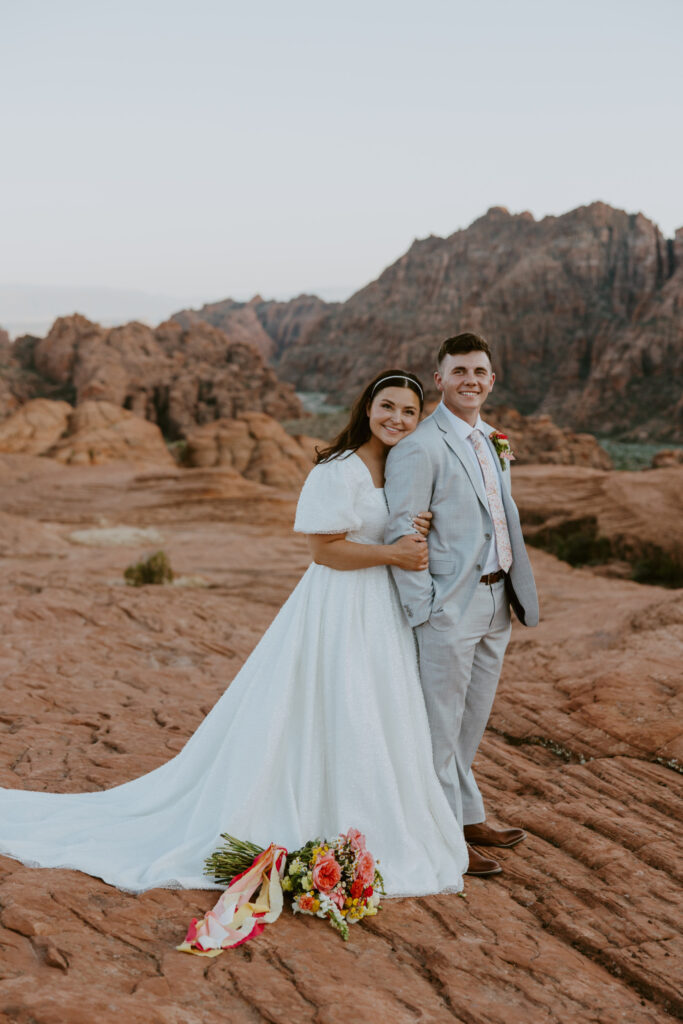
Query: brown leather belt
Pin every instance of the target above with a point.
(493, 577)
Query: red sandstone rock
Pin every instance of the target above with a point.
(536, 439)
(94, 432)
(584, 313)
(102, 682)
(667, 457)
(35, 427)
(102, 432)
(269, 326)
(173, 376)
(636, 514)
(256, 446)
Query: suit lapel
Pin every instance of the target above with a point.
(458, 448)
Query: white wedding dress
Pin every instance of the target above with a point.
(323, 729)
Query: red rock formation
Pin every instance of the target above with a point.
(93, 433)
(256, 446)
(103, 682)
(35, 427)
(667, 457)
(100, 432)
(630, 517)
(173, 376)
(269, 326)
(584, 312)
(536, 439)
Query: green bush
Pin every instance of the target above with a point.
(576, 541)
(155, 569)
(659, 568)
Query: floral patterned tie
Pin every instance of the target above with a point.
(495, 501)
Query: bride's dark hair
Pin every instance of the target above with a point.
(357, 430)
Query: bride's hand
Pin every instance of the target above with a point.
(422, 522)
(410, 552)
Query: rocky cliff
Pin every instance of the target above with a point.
(174, 376)
(270, 326)
(584, 312)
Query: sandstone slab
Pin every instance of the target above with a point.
(102, 682)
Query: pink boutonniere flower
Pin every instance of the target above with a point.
(503, 450)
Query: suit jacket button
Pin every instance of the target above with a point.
(479, 568)
(487, 536)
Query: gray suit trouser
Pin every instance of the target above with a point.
(459, 668)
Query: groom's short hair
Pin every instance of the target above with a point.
(459, 344)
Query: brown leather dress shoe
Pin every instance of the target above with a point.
(480, 865)
(486, 835)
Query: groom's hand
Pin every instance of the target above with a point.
(410, 552)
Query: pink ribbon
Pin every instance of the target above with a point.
(236, 918)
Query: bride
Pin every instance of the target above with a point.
(324, 728)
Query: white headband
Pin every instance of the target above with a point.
(397, 376)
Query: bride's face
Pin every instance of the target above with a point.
(393, 413)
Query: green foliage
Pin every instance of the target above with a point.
(659, 568)
(576, 541)
(155, 569)
(633, 455)
(178, 450)
(232, 859)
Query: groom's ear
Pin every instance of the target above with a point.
(438, 381)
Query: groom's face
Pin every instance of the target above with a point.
(465, 381)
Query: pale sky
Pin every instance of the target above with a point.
(200, 149)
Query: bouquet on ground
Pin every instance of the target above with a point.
(337, 879)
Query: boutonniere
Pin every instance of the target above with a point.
(503, 450)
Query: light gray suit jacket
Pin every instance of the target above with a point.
(431, 469)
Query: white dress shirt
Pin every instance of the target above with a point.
(463, 430)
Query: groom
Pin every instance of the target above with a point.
(478, 567)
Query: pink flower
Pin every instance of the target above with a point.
(356, 839)
(365, 868)
(338, 898)
(326, 873)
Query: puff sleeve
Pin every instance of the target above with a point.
(326, 502)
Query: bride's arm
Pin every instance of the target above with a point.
(333, 550)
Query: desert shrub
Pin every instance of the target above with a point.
(576, 541)
(178, 450)
(659, 568)
(155, 569)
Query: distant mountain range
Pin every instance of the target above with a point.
(584, 313)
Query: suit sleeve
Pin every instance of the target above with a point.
(409, 480)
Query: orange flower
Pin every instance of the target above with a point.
(326, 873)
